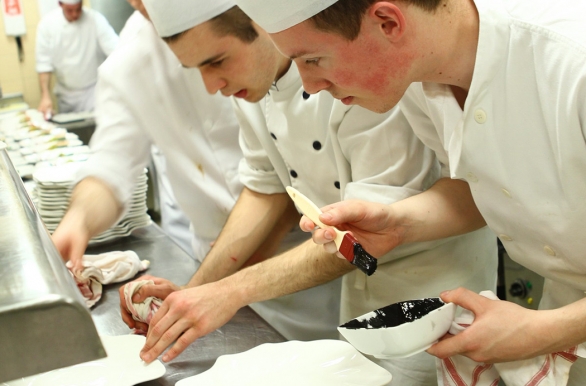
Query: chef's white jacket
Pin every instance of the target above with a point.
(73, 51)
(330, 152)
(520, 141)
(145, 97)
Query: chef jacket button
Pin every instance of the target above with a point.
(274, 136)
(504, 237)
(316, 145)
(549, 250)
(480, 116)
(305, 95)
(506, 193)
(471, 177)
(337, 184)
(293, 173)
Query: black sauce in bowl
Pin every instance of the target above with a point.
(397, 314)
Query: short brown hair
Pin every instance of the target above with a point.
(232, 22)
(345, 16)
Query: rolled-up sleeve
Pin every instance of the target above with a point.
(256, 170)
(43, 48)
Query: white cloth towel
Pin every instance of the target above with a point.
(106, 268)
(144, 311)
(544, 370)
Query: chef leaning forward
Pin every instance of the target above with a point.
(327, 151)
(498, 89)
(144, 98)
(72, 41)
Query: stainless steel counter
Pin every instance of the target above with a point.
(245, 331)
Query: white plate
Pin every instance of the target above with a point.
(315, 363)
(122, 367)
(62, 174)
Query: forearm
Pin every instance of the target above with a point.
(254, 221)
(45, 81)
(562, 328)
(302, 267)
(94, 206)
(269, 247)
(446, 209)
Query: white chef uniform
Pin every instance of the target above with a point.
(145, 97)
(330, 152)
(173, 220)
(521, 140)
(73, 51)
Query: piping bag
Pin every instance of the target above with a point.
(347, 244)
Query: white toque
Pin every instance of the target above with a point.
(277, 15)
(171, 17)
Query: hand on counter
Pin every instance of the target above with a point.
(71, 239)
(93, 209)
(187, 315)
(46, 107)
(161, 289)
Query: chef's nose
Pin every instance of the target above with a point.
(213, 83)
(313, 85)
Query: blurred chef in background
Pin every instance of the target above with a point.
(145, 98)
(72, 42)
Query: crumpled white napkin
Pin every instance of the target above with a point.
(144, 311)
(105, 268)
(551, 369)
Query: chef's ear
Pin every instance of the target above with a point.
(388, 18)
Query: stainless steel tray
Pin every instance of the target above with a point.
(44, 323)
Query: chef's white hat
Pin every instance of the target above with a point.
(70, 1)
(278, 15)
(171, 17)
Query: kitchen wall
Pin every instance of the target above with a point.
(21, 77)
(16, 76)
(116, 11)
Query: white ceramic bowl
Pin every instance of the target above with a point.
(400, 329)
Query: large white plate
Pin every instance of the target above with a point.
(122, 367)
(315, 363)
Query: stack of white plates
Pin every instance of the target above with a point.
(53, 191)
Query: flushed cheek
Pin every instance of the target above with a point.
(377, 73)
(368, 80)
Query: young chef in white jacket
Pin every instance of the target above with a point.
(287, 140)
(498, 90)
(72, 41)
(144, 97)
